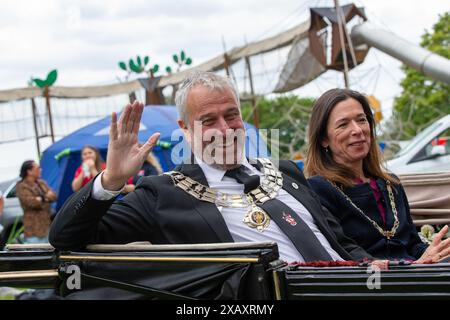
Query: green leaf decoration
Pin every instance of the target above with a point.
(122, 66)
(155, 68)
(188, 61)
(146, 60)
(51, 77)
(40, 83)
(168, 69)
(133, 66)
(175, 58)
(182, 55)
(139, 61)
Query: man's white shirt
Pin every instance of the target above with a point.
(233, 216)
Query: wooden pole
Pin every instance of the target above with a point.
(50, 118)
(255, 109)
(349, 39)
(36, 134)
(226, 64)
(341, 38)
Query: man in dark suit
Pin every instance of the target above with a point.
(219, 198)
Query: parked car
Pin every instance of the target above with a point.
(12, 210)
(429, 151)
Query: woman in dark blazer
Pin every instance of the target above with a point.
(344, 168)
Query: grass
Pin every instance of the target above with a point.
(15, 232)
(7, 293)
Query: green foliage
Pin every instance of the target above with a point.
(423, 100)
(139, 65)
(288, 113)
(123, 66)
(134, 67)
(15, 232)
(40, 83)
(180, 60)
(51, 77)
(49, 81)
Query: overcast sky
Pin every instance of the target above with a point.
(84, 40)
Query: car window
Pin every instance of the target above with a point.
(12, 192)
(442, 139)
(416, 139)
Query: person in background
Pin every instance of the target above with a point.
(344, 166)
(92, 164)
(35, 197)
(150, 167)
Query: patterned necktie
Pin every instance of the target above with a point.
(250, 182)
(292, 225)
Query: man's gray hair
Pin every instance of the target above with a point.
(201, 78)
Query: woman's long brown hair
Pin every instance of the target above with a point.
(320, 162)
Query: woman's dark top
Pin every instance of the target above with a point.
(406, 243)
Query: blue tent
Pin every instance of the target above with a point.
(60, 161)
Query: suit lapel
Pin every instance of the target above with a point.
(207, 210)
(303, 196)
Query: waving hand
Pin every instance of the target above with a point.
(125, 155)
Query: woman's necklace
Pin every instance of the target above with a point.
(388, 234)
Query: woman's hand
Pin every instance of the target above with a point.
(50, 196)
(437, 250)
(90, 163)
(125, 156)
(381, 264)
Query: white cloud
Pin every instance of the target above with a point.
(36, 36)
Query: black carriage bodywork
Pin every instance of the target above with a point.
(211, 271)
(239, 271)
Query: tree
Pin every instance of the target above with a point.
(290, 115)
(423, 100)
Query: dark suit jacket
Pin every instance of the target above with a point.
(161, 213)
(406, 243)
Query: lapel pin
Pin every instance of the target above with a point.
(294, 185)
(289, 219)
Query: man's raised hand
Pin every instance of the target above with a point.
(125, 155)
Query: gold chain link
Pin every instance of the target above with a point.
(388, 234)
(271, 183)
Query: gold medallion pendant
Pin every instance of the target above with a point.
(257, 218)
